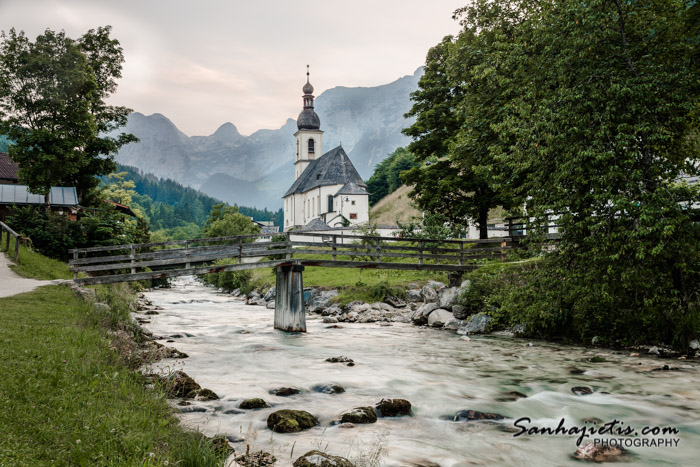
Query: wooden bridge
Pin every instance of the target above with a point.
(289, 253)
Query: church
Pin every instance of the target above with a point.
(327, 192)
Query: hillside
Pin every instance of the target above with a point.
(395, 207)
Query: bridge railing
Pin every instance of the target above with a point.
(156, 260)
(10, 233)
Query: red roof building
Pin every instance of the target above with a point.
(9, 170)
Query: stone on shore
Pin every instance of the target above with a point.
(429, 294)
(321, 459)
(320, 299)
(271, 294)
(460, 312)
(420, 316)
(291, 421)
(256, 459)
(477, 324)
(448, 297)
(393, 408)
(359, 415)
(439, 317)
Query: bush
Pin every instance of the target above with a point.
(230, 280)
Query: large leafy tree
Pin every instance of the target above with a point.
(52, 106)
(600, 124)
(387, 175)
(225, 221)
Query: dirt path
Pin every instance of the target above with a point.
(11, 283)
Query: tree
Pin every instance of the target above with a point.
(452, 132)
(599, 122)
(387, 175)
(52, 106)
(225, 221)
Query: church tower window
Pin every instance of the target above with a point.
(311, 146)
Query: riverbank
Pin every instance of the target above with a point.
(70, 392)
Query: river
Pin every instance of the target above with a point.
(234, 350)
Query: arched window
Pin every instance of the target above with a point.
(330, 203)
(311, 145)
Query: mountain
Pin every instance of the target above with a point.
(256, 170)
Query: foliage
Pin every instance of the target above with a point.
(52, 106)
(53, 234)
(226, 221)
(452, 133)
(34, 265)
(231, 280)
(434, 226)
(387, 174)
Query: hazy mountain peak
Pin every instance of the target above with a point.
(227, 131)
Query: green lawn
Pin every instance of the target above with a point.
(33, 265)
(68, 400)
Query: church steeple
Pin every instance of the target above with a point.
(309, 143)
(308, 119)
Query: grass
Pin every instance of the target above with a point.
(34, 265)
(69, 399)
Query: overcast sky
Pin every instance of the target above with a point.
(205, 63)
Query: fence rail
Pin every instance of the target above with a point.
(5, 228)
(122, 263)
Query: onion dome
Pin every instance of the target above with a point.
(308, 119)
(308, 89)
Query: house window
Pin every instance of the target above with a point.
(353, 203)
(330, 203)
(353, 216)
(311, 146)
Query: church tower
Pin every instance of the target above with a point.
(309, 145)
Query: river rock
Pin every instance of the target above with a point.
(448, 297)
(414, 295)
(359, 415)
(236, 292)
(256, 459)
(477, 324)
(270, 305)
(285, 391)
(331, 311)
(393, 408)
(254, 294)
(180, 384)
(420, 316)
(439, 317)
(597, 452)
(454, 324)
(340, 359)
(396, 302)
(460, 312)
(694, 344)
(356, 307)
(255, 403)
(320, 299)
(518, 330)
(473, 415)
(291, 421)
(331, 388)
(205, 395)
(271, 294)
(582, 390)
(429, 294)
(321, 459)
(330, 319)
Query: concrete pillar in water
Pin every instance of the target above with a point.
(289, 303)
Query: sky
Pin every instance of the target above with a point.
(204, 63)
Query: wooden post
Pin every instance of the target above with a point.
(289, 246)
(187, 254)
(16, 248)
(290, 310)
(240, 250)
(461, 253)
(133, 253)
(7, 242)
(420, 252)
(75, 257)
(378, 256)
(503, 251)
(335, 249)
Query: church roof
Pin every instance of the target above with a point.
(351, 188)
(332, 168)
(316, 224)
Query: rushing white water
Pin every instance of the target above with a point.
(234, 350)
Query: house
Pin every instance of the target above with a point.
(63, 200)
(327, 192)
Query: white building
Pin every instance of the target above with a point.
(327, 190)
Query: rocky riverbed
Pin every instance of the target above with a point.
(464, 395)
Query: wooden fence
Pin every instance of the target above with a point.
(122, 263)
(4, 228)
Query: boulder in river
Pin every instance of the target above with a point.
(393, 408)
(205, 395)
(582, 390)
(460, 312)
(321, 459)
(256, 459)
(359, 415)
(331, 388)
(597, 452)
(330, 319)
(180, 384)
(477, 324)
(255, 403)
(473, 415)
(320, 299)
(439, 317)
(271, 294)
(420, 316)
(291, 421)
(340, 359)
